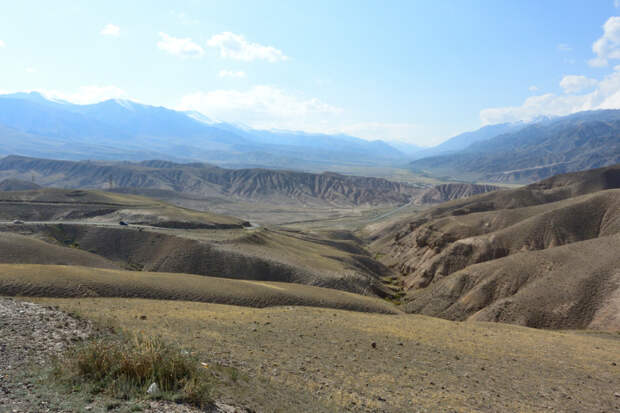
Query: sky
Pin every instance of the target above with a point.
(410, 71)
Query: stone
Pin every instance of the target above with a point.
(153, 389)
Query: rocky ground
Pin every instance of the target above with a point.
(30, 336)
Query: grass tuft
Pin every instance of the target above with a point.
(124, 368)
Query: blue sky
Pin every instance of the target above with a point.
(415, 71)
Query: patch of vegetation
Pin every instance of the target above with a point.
(125, 367)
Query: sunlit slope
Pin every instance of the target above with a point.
(75, 281)
(499, 253)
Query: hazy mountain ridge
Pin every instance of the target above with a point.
(32, 125)
(464, 140)
(576, 142)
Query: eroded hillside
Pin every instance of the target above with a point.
(523, 238)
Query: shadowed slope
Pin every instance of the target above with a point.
(19, 249)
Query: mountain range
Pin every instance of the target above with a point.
(32, 125)
(534, 151)
(521, 152)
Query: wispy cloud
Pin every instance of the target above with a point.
(608, 45)
(262, 107)
(269, 107)
(31, 70)
(605, 95)
(2, 44)
(575, 84)
(110, 30)
(184, 47)
(232, 73)
(533, 88)
(235, 46)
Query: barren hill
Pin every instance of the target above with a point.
(79, 227)
(523, 237)
(203, 180)
(449, 192)
(52, 204)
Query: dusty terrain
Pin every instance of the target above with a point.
(166, 238)
(325, 360)
(32, 335)
(562, 231)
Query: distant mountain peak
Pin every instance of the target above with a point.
(200, 117)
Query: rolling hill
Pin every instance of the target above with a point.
(79, 227)
(544, 255)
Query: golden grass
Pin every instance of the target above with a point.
(323, 360)
(76, 281)
(125, 367)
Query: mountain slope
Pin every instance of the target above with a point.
(572, 143)
(17, 185)
(460, 259)
(449, 192)
(206, 180)
(463, 140)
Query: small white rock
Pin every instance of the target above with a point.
(153, 389)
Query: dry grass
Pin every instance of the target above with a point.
(125, 367)
(75, 281)
(314, 359)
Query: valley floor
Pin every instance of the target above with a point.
(312, 359)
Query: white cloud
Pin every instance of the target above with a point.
(31, 70)
(616, 3)
(232, 73)
(563, 47)
(263, 107)
(87, 94)
(184, 47)
(235, 46)
(110, 30)
(2, 44)
(606, 95)
(533, 88)
(575, 84)
(608, 45)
